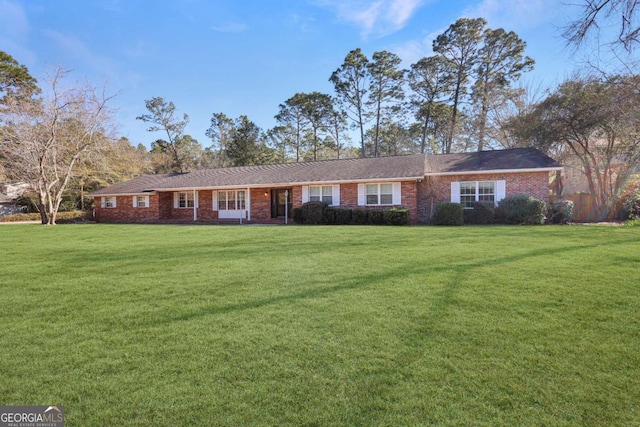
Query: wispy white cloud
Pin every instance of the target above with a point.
(14, 29)
(13, 19)
(514, 14)
(230, 27)
(413, 50)
(74, 48)
(375, 18)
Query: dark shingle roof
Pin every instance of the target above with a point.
(299, 173)
(134, 186)
(513, 159)
(369, 169)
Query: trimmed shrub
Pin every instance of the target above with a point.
(329, 216)
(360, 216)
(482, 213)
(342, 216)
(396, 216)
(521, 209)
(298, 216)
(376, 217)
(561, 212)
(631, 206)
(448, 214)
(314, 213)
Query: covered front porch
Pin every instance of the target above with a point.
(230, 205)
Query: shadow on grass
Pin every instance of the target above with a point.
(442, 299)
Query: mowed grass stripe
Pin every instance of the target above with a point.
(199, 325)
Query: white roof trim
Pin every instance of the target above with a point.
(496, 171)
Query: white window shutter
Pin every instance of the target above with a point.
(175, 200)
(397, 193)
(455, 192)
(214, 197)
(335, 197)
(135, 201)
(305, 193)
(501, 190)
(115, 201)
(147, 201)
(103, 202)
(361, 195)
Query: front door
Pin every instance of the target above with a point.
(281, 202)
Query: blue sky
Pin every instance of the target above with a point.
(249, 56)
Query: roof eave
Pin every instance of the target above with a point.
(287, 184)
(495, 171)
(141, 193)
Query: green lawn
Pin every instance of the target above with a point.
(321, 326)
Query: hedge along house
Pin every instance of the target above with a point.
(266, 193)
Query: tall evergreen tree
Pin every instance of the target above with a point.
(350, 82)
(164, 118)
(500, 61)
(385, 89)
(458, 45)
(431, 84)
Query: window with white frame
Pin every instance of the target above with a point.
(109, 202)
(321, 193)
(140, 201)
(185, 199)
(469, 192)
(379, 194)
(232, 200)
(329, 194)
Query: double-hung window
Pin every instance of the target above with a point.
(108, 202)
(185, 199)
(229, 200)
(469, 192)
(329, 194)
(321, 193)
(379, 194)
(140, 201)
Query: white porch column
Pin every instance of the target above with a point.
(195, 206)
(248, 204)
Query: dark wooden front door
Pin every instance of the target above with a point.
(281, 202)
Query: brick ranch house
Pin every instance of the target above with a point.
(263, 194)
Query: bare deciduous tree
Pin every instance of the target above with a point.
(44, 139)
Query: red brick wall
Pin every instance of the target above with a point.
(125, 212)
(419, 198)
(437, 189)
(260, 204)
(408, 189)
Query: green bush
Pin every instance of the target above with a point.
(396, 216)
(376, 217)
(329, 216)
(481, 213)
(561, 212)
(631, 206)
(342, 216)
(314, 213)
(61, 218)
(360, 216)
(448, 214)
(298, 216)
(521, 209)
